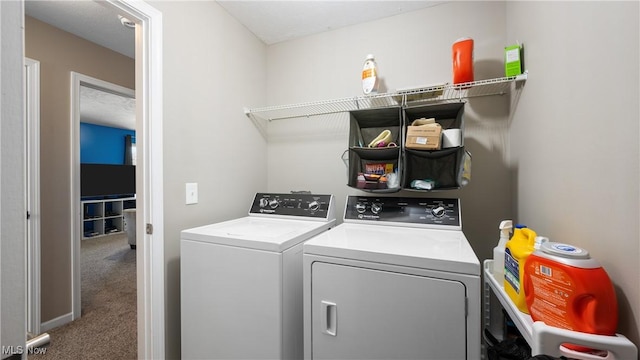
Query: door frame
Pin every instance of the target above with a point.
(13, 207)
(78, 80)
(32, 116)
(149, 176)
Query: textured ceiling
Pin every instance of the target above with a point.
(107, 109)
(277, 21)
(89, 20)
(271, 21)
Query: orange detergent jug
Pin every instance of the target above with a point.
(462, 54)
(518, 248)
(568, 289)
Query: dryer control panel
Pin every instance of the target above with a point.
(298, 205)
(404, 211)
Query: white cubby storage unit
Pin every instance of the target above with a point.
(104, 217)
(548, 340)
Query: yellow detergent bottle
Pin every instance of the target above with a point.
(518, 248)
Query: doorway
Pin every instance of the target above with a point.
(149, 175)
(86, 90)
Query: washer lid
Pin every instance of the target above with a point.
(443, 250)
(257, 233)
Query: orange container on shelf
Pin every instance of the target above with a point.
(518, 248)
(568, 289)
(462, 53)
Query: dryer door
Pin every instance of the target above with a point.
(360, 313)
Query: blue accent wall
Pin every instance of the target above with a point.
(102, 144)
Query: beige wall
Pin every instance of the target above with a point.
(575, 134)
(411, 50)
(60, 53)
(213, 67)
(562, 158)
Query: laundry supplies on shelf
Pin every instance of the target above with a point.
(370, 80)
(550, 340)
(513, 60)
(518, 248)
(374, 153)
(381, 139)
(498, 252)
(437, 168)
(566, 288)
(462, 56)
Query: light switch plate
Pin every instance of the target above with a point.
(192, 193)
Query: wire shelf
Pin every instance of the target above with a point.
(435, 93)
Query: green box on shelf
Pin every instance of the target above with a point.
(512, 60)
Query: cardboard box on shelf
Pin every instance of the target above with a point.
(424, 137)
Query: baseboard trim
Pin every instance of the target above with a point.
(54, 323)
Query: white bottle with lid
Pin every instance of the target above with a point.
(498, 251)
(370, 76)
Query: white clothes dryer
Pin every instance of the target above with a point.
(397, 280)
(241, 280)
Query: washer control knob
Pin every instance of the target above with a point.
(376, 208)
(438, 211)
(314, 205)
(361, 208)
(273, 203)
(264, 202)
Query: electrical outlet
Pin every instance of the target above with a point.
(192, 193)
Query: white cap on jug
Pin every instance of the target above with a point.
(539, 241)
(568, 255)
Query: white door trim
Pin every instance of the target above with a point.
(32, 110)
(149, 177)
(149, 101)
(78, 80)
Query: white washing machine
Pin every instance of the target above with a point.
(241, 280)
(397, 280)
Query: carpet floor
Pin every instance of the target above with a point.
(107, 328)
